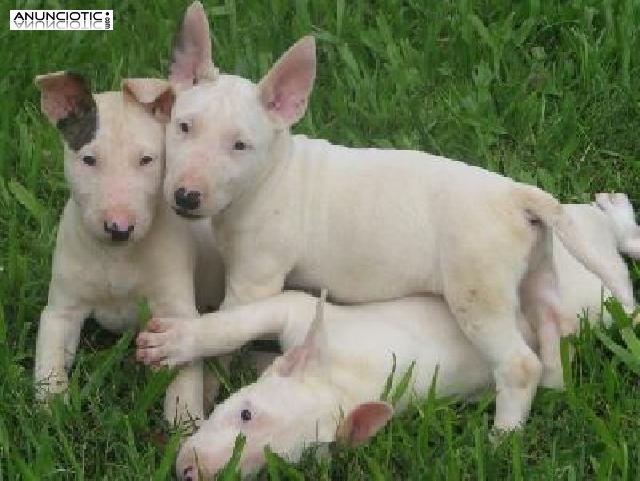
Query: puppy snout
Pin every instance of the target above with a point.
(119, 233)
(186, 467)
(119, 224)
(189, 474)
(187, 199)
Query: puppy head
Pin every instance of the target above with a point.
(113, 150)
(224, 128)
(292, 406)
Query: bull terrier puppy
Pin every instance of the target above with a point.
(352, 375)
(609, 226)
(367, 224)
(117, 240)
(299, 400)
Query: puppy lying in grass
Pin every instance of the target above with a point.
(342, 364)
(367, 224)
(117, 240)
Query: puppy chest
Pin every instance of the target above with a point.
(123, 280)
(112, 281)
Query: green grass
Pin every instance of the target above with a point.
(544, 91)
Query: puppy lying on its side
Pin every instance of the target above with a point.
(299, 399)
(117, 240)
(343, 366)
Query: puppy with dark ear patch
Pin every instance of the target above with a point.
(117, 240)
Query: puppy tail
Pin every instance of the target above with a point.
(543, 207)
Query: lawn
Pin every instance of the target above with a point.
(544, 91)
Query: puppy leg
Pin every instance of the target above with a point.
(184, 397)
(212, 385)
(540, 300)
(174, 341)
(253, 278)
(58, 336)
(480, 283)
(493, 329)
(620, 213)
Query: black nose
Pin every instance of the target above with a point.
(117, 234)
(189, 200)
(187, 474)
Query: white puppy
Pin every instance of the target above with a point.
(610, 228)
(298, 401)
(367, 224)
(117, 240)
(286, 408)
(300, 398)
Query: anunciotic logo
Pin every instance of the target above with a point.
(61, 20)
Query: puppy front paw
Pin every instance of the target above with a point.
(53, 383)
(165, 342)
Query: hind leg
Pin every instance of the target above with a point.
(544, 314)
(620, 272)
(540, 300)
(516, 368)
(549, 339)
(485, 306)
(620, 213)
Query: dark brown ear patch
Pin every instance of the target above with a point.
(67, 101)
(79, 126)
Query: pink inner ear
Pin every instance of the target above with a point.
(60, 98)
(191, 55)
(286, 88)
(288, 101)
(152, 93)
(366, 420)
(164, 104)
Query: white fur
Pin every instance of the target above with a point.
(367, 224)
(93, 275)
(292, 411)
(172, 342)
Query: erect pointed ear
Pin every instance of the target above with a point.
(191, 51)
(312, 354)
(285, 90)
(363, 422)
(66, 100)
(156, 95)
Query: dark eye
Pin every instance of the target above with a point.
(184, 127)
(146, 159)
(89, 160)
(239, 145)
(245, 415)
